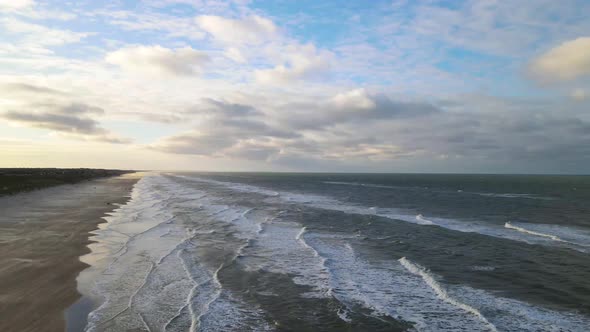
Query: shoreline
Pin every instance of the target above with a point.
(43, 233)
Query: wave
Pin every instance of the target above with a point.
(526, 231)
(270, 246)
(499, 195)
(441, 292)
(423, 221)
(404, 290)
(236, 186)
(364, 185)
(300, 234)
(166, 298)
(579, 241)
(387, 290)
(512, 195)
(138, 257)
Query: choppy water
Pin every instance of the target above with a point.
(296, 252)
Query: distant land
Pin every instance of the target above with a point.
(14, 180)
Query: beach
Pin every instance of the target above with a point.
(42, 235)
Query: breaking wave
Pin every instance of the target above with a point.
(579, 242)
(526, 231)
(440, 291)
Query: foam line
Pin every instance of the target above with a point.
(440, 291)
(422, 221)
(300, 234)
(132, 297)
(327, 203)
(207, 305)
(191, 294)
(526, 231)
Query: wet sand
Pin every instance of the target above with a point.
(42, 235)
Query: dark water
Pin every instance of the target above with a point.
(343, 252)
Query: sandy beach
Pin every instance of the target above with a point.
(42, 235)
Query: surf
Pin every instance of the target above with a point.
(441, 292)
(329, 203)
(531, 232)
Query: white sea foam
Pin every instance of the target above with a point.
(344, 314)
(142, 251)
(273, 247)
(578, 239)
(236, 186)
(499, 195)
(300, 234)
(512, 195)
(387, 290)
(358, 184)
(137, 263)
(526, 231)
(441, 292)
(410, 292)
(424, 221)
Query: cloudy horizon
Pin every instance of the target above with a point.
(477, 86)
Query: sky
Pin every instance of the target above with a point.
(483, 86)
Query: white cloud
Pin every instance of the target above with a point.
(299, 63)
(159, 60)
(174, 27)
(249, 30)
(235, 55)
(354, 99)
(10, 5)
(35, 36)
(568, 61)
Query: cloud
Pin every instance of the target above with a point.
(72, 120)
(30, 36)
(173, 26)
(360, 128)
(565, 62)
(159, 60)
(234, 130)
(194, 143)
(299, 63)
(9, 5)
(51, 109)
(223, 129)
(235, 55)
(58, 119)
(351, 107)
(248, 30)
(364, 92)
(354, 99)
(25, 88)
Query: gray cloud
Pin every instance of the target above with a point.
(383, 131)
(57, 122)
(17, 88)
(225, 129)
(352, 107)
(70, 119)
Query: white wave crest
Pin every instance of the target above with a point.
(441, 292)
(423, 221)
(531, 232)
(573, 238)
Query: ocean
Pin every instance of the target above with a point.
(342, 252)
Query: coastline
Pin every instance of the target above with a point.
(18, 180)
(42, 235)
